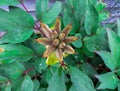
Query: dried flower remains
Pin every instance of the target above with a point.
(56, 40)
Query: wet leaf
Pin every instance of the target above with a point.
(108, 80)
(81, 81)
(14, 52)
(17, 24)
(57, 81)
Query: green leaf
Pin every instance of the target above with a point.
(14, 52)
(93, 2)
(119, 87)
(91, 20)
(108, 80)
(41, 8)
(23, 83)
(8, 88)
(106, 56)
(57, 82)
(16, 84)
(46, 15)
(36, 84)
(35, 46)
(40, 64)
(100, 6)
(103, 15)
(81, 81)
(114, 43)
(27, 84)
(88, 69)
(80, 10)
(9, 2)
(72, 88)
(52, 13)
(95, 42)
(11, 71)
(87, 52)
(17, 24)
(118, 26)
(72, 3)
(78, 43)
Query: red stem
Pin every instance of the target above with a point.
(28, 70)
(21, 1)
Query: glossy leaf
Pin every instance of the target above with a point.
(78, 43)
(108, 80)
(95, 42)
(27, 84)
(9, 2)
(52, 13)
(118, 26)
(106, 56)
(100, 6)
(103, 15)
(81, 81)
(17, 24)
(57, 82)
(41, 8)
(88, 69)
(12, 71)
(46, 15)
(40, 64)
(36, 84)
(73, 3)
(91, 20)
(14, 52)
(114, 43)
(72, 88)
(80, 9)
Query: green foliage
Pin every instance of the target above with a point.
(17, 24)
(94, 66)
(80, 80)
(9, 2)
(46, 15)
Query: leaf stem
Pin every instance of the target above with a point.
(21, 2)
(27, 71)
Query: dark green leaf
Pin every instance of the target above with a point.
(81, 81)
(9, 2)
(14, 52)
(96, 42)
(41, 8)
(100, 6)
(114, 43)
(93, 2)
(57, 82)
(108, 80)
(103, 15)
(12, 71)
(106, 56)
(72, 88)
(36, 84)
(91, 20)
(87, 52)
(17, 24)
(118, 26)
(35, 46)
(88, 69)
(52, 13)
(40, 64)
(78, 43)
(72, 3)
(27, 84)
(81, 9)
